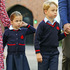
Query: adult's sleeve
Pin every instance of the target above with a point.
(3, 14)
(63, 11)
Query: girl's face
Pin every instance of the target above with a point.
(51, 12)
(17, 22)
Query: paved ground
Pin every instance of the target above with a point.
(30, 53)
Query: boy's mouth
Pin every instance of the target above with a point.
(55, 15)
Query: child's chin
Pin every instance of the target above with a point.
(54, 16)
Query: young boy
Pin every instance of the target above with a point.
(14, 37)
(46, 38)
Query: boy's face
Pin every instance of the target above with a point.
(17, 22)
(51, 12)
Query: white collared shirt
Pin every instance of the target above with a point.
(11, 28)
(46, 20)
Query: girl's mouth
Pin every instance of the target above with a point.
(18, 25)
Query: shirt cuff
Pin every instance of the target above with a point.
(37, 51)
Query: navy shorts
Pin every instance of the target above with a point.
(50, 62)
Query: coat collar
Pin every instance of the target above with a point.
(47, 21)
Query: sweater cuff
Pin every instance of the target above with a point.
(65, 34)
(37, 51)
(28, 26)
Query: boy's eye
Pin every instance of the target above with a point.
(53, 10)
(56, 10)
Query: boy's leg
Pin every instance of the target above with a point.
(45, 63)
(54, 62)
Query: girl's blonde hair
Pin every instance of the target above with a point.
(14, 14)
(47, 4)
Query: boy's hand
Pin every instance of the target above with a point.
(39, 57)
(24, 24)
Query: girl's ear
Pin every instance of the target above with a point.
(11, 22)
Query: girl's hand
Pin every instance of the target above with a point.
(24, 24)
(39, 57)
(3, 56)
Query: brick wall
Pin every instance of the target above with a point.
(35, 6)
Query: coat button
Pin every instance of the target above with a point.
(17, 43)
(17, 38)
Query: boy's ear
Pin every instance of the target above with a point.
(45, 11)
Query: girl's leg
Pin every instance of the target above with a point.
(21, 62)
(9, 62)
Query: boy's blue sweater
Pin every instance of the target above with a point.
(47, 37)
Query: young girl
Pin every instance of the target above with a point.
(14, 37)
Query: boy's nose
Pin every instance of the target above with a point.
(55, 12)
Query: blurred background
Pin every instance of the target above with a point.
(32, 12)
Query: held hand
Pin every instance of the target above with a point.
(67, 31)
(39, 57)
(67, 28)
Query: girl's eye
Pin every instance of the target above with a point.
(16, 20)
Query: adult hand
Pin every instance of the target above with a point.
(39, 57)
(67, 28)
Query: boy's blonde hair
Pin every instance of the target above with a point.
(47, 4)
(14, 14)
